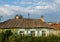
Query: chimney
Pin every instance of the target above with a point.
(16, 17)
(42, 18)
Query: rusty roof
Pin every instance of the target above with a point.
(57, 25)
(24, 23)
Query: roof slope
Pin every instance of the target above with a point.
(24, 23)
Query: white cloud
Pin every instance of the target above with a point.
(41, 3)
(57, 1)
(39, 8)
(8, 10)
(4, 10)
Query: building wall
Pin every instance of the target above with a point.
(38, 32)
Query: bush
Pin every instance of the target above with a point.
(17, 38)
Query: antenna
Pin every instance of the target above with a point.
(28, 15)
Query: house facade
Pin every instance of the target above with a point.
(30, 27)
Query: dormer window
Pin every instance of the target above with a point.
(16, 17)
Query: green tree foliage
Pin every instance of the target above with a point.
(8, 33)
(20, 16)
(4, 36)
(1, 17)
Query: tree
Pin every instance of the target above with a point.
(20, 16)
(2, 39)
(0, 18)
(7, 34)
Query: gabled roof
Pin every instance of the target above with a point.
(24, 23)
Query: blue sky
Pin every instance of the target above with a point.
(50, 9)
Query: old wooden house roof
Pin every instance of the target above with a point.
(24, 23)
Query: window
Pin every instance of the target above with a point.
(43, 33)
(32, 33)
(22, 33)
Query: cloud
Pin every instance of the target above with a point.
(35, 8)
(41, 7)
(31, 3)
(9, 10)
(57, 1)
(23, 3)
(41, 3)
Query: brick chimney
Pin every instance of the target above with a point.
(42, 18)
